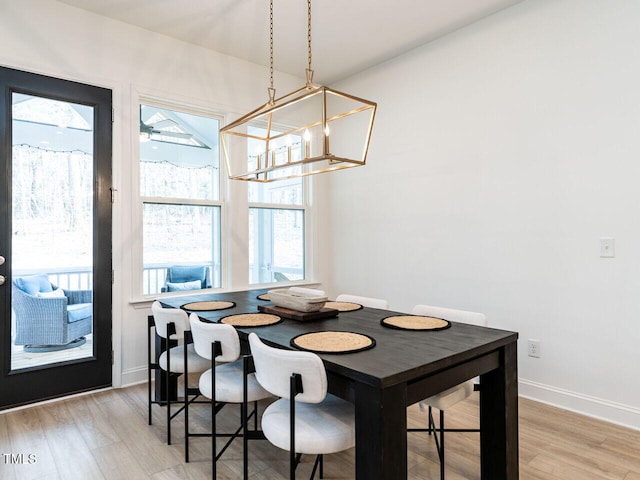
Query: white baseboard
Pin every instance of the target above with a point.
(53, 400)
(133, 376)
(619, 414)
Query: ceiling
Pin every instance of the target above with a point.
(348, 36)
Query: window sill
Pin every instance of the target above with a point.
(146, 300)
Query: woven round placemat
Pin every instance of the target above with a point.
(343, 306)
(333, 342)
(251, 320)
(415, 322)
(205, 306)
(263, 296)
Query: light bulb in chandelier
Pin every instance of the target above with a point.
(307, 143)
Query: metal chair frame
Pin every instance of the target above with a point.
(438, 433)
(245, 418)
(194, 392)
(295, 387)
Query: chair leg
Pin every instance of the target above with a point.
(292, 429)
(149, 394)
(292, 465)
(171, 330)
(431, 425)
(186, 406)
(168, 394)
(245, 440)
(186, 431)
(317, 463)
(255, 418)
(441, 452)
(439, 438)
(214, 454)
(150, 325)
(244, 407)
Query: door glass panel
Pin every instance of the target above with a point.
(52, 231)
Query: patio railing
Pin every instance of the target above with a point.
(78, 278)
(153, 276)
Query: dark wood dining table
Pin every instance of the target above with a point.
(403, 368)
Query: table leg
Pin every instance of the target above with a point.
(381, 432)
(499, 418)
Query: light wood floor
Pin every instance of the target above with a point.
(105, 436)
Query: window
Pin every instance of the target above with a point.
(276, 220)
(181, 201)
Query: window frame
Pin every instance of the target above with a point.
(285, 207)
(233, 203)
(307, 216)
(221, 202)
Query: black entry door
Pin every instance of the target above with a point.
(55, 237)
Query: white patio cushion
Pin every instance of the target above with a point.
(196, 362)
(325, 427)
(229, 384)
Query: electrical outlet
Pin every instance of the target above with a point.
(534, 348)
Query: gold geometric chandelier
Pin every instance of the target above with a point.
(314, 129)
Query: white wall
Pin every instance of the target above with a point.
(44, 36)
(501, 154)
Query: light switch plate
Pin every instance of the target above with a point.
(607, 247)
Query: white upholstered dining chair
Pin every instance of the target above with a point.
(450, 397)
(306, 419)
(364, 301)
(172, 324)
(230, 381)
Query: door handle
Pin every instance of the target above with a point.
(1, 260)
(1, 279)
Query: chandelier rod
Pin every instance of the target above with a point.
(309, 69)
(271, 89)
